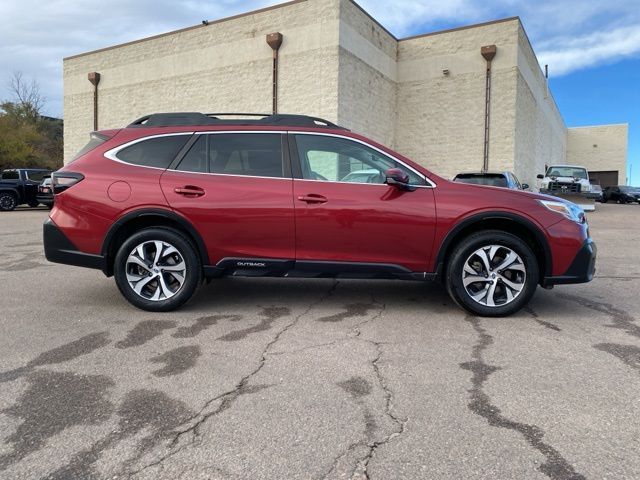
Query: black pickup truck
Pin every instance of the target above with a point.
(19, 186)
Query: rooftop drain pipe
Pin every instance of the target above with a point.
(94, 78)
(488, 52)
(275, 40)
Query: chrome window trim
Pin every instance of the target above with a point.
(112, 154)
(430, 183)
(289, 179)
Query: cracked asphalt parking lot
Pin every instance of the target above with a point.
(297, 379)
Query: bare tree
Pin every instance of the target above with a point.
(27, 98)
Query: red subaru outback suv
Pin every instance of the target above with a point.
(173, 199)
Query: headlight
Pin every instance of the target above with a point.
(568, 209)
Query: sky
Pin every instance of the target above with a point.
(592, 46)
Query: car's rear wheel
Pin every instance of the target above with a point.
(492, 273)
(8, 201)
(157, 269)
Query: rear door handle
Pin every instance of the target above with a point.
(312, 198)
(189, 191)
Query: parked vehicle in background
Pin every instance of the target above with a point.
(175, 198)
(45, 192)
(19, 186)
(492, 179)
(621, 194)
(597, 191)
(570, 182)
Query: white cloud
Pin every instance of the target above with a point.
(566, 55)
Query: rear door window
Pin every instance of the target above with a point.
(250, 154)
(156, 152)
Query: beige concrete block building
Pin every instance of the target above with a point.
(424, 96)
(602, 149)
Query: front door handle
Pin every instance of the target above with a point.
(189, 191)
(312, 198)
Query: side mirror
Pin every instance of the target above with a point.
(540, 176)
(398, 178)
(525, 186)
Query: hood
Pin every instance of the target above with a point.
(504, 197)
(501, 194)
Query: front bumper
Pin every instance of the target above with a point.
(581, 270)
(59, 249)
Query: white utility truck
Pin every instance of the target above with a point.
(570, 182)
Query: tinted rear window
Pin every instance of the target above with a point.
(253, 154)
(491, 180)
(155, 152)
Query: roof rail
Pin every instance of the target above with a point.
(196, 118)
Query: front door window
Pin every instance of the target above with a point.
(334, 159)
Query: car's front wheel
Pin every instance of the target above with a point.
(157, 269)
(492, 273)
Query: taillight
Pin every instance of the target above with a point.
(60, 181)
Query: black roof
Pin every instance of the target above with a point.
(196, 118)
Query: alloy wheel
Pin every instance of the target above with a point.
(7, 202)
(494, 275)
(155, 270)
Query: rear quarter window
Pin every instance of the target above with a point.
(156, 152)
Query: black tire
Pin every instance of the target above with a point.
(463, 250)
(34, 204)
(185, 248)
(8, 201)
(604, 200)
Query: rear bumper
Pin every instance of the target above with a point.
(581, 270)
(59, 249)
(45, 199)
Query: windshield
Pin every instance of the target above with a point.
(493, 180)
(630, 189)
(572, 172)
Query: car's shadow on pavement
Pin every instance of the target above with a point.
(230, 294)
(226, 293)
